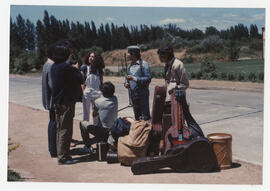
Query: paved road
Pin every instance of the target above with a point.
(234, 112)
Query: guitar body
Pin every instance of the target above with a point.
(175, 134)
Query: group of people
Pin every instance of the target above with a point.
(64, 83)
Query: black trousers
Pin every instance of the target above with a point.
(141, 108)
(100, 133)
(52, 133)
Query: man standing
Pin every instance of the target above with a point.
(176, 78)
(65, 79)
(47, 102)
(138, 79)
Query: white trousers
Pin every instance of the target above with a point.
(87, 105)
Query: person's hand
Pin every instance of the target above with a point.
(129, 77)
(76, 65)
(129, 119)
(95, 113)
(127, 85)
(83, 87)
(178, 93)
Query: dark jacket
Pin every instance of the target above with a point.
(65, 82)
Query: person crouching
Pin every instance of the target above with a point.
(105, 109)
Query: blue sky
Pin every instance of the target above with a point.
(186, 18)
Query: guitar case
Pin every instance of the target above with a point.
(196, 155)
(183, 126)
(155, 135)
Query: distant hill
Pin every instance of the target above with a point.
(116, 57)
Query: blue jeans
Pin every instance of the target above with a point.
(52, 133)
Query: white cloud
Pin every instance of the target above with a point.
(229, 22)
(175, 21)
(257, 17)
(229, 15)
(110, 19)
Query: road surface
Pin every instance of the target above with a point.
(216, 111)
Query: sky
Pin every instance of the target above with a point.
(184, 17)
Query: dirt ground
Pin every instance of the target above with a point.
(28, 127)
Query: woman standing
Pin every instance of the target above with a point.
(93, 75)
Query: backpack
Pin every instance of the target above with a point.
(120, 128)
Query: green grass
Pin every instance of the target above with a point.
(13, 176)
(256, 65)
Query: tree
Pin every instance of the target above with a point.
(65, 29)
(21, 29)
(225, 34)
(94, 29)
(121, 37)
(240, 31)
(108, 37)
(88, 34)
(210, 31)
(114, 39)
(55, 31)
(47, 36)
(30, 35)
(13, 32)
(41, 45)
(135, 35)
(196, 34)
(101, 40)
(253, 31)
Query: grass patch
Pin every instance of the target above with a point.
(247, 66)
(13, 176)
(247, 70)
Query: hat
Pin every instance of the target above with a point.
(133, 48)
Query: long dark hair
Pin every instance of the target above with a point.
(98, 61)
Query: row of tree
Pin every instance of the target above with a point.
(28, 36)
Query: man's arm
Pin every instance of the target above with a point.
(181, 77)
(77, 74)
(145, 79)
(45, 88)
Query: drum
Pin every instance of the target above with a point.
(222, 146)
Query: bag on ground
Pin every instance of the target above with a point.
(135, 144)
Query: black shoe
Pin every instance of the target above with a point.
(86, 150)
(67, 162)
(53, 155)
